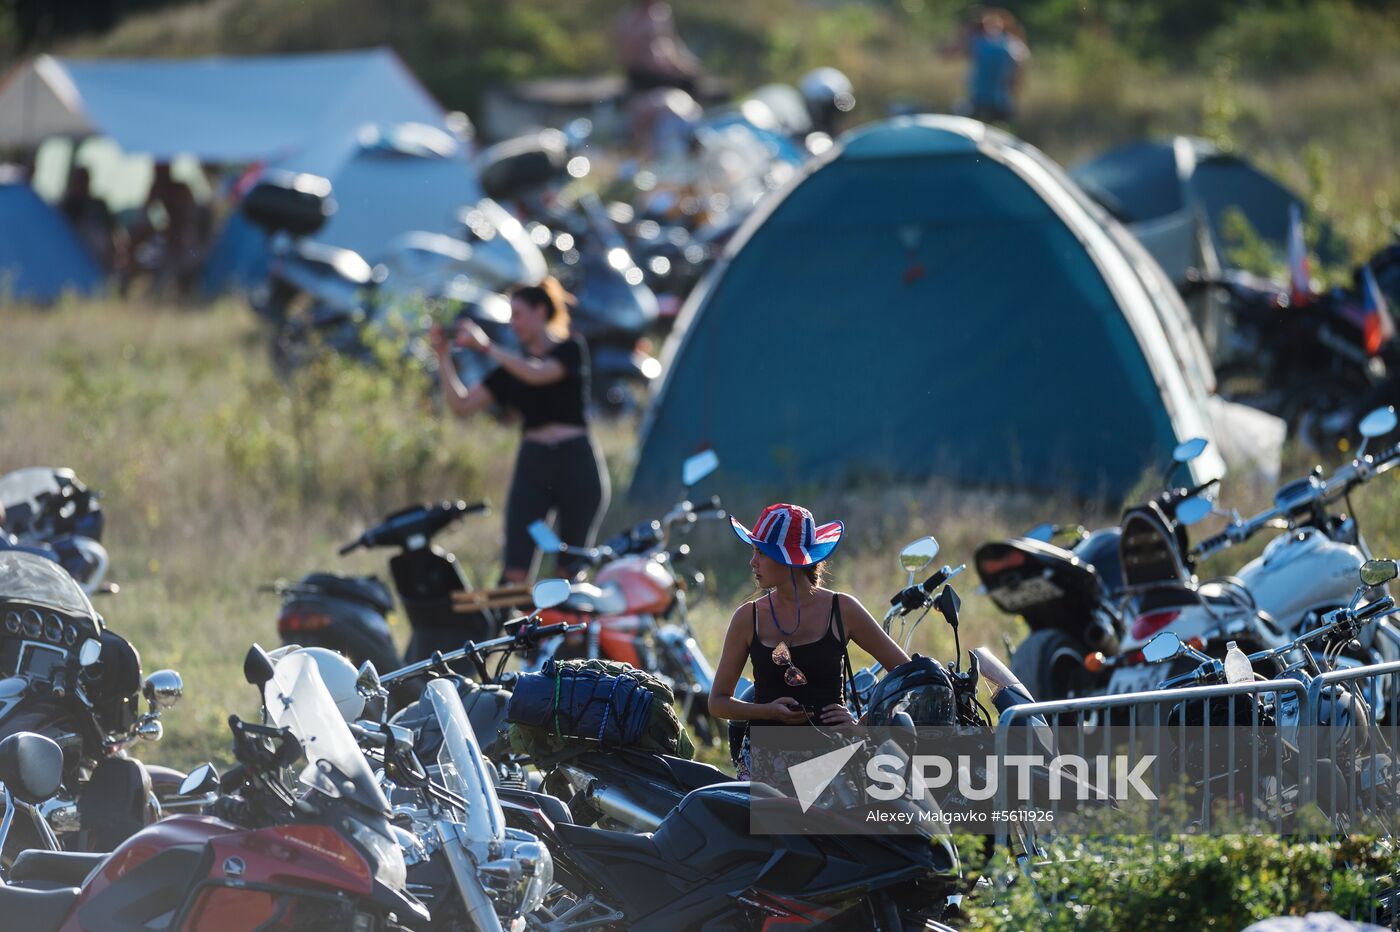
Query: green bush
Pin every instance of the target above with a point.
(1202, 883)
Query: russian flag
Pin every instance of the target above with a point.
(1379, 326)
(1300, 291)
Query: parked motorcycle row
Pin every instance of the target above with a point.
(405, 799)
(629, 261)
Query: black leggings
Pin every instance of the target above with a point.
(568, 478)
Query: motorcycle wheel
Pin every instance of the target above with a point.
(1050, 663)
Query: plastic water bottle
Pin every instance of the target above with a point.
(1238, 669)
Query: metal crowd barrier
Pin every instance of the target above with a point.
(1362, 746)
(1141, 720)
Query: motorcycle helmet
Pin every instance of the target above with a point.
(339, 675)
(827, 93)
(921, 688)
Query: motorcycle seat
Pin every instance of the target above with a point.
(70, 868)
(688, 774)
(369, 590)
(36, 910)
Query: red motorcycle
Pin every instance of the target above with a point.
(637, 607)
(326, 861)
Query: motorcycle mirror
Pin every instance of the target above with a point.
(1162, 648)
(90, 652)
(917, 556)
(163, 689)
(1193, 511)
(548, 593)
(257, 666)
(1378, 572)
(368, 679)
(1043, 532)
(202, 779)
(544, 537)
(1188, 450)
(1378, 423)
(698, 467)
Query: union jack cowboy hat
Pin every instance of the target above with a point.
(788, 534)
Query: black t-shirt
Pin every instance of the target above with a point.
(560, 402)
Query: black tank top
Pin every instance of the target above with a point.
(820, 661)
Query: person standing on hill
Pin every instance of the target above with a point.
(997, 53)
(559, 467)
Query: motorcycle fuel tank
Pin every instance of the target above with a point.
(1301, 571)
(647, 585)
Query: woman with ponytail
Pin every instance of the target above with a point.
(559, 467)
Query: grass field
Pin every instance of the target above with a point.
(217, 478)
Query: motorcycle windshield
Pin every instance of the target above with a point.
(463, 768)
(297, 698)
(28, 577)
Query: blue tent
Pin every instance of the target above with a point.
(220, 110)
(40, 256)
(934, 297)
(386, 181)
(1176, 195)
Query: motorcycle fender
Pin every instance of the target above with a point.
(687, 653)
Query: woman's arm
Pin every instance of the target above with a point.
(461, 400)
(545, 371)
(862, 628)
(731, 664)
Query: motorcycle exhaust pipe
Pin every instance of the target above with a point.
(1101, 636)
(619, 806)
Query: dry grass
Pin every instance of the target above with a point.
(176, 418)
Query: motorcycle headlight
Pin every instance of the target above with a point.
(384, 853)
(530, 876)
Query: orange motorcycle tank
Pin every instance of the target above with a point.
(647, 585)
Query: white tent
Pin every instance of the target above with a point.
(220, 110)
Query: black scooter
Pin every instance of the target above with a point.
(350, 614)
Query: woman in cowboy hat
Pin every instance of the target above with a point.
(795, 633)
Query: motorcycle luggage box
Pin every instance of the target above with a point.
(514, 167)
(367, 590)
(300, 204)
(1045, 584)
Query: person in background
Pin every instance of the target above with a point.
(168, 237)
(559, 467)
(997, 53)
(651, 50)
(90, 219)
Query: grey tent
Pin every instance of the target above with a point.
(934, 297)
(1175, 195)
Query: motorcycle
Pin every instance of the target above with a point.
(1300, 575)
(1069, 596)
(351, 614)
(51, 511)
(69, 678)
(640, 614)
(269, 859)
(323, 296)
(1364, 765)
(535, 176)
(1302, 363)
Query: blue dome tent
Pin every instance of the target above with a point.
(934, 297)
(40, 256)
